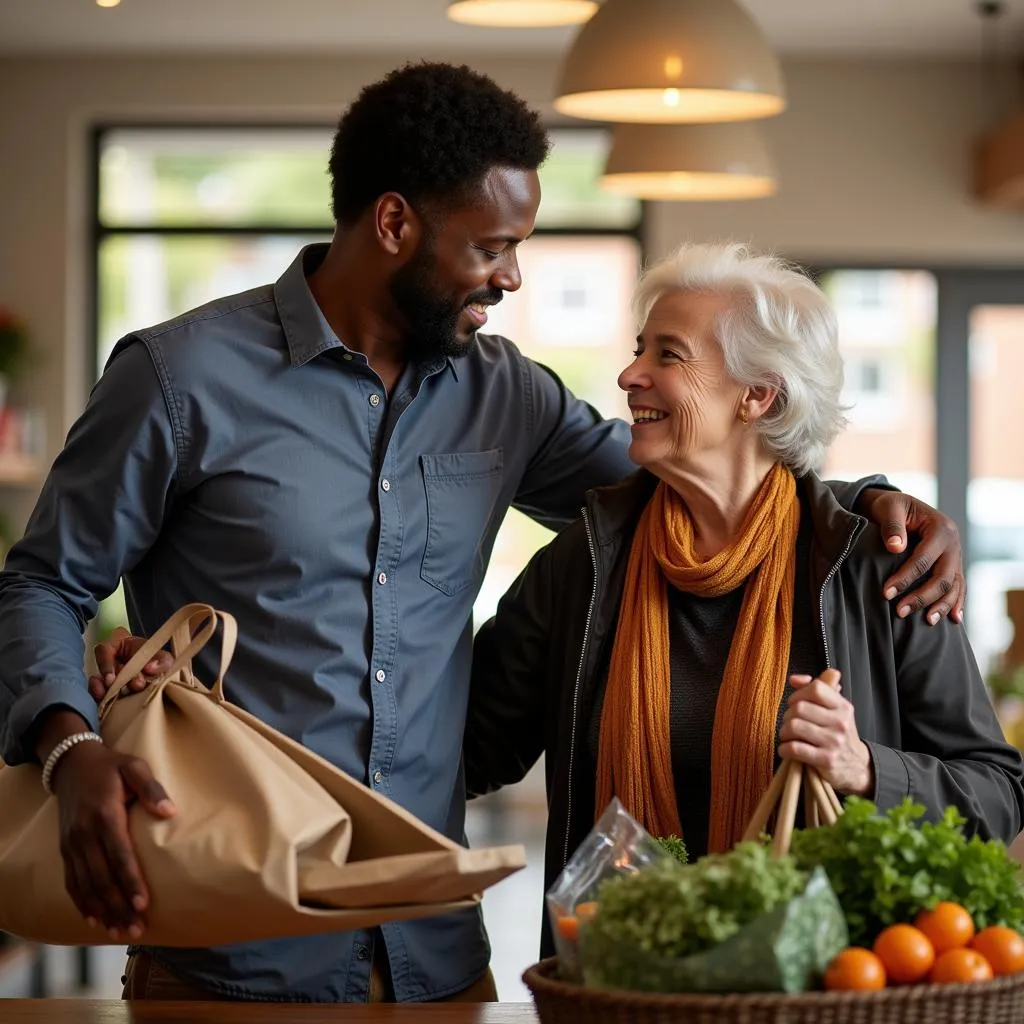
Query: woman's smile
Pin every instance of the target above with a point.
(645, 416)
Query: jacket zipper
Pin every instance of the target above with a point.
(576, 690)
(854, 530)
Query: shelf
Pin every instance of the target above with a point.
(24, 970)
(15, 953)
(19, 471)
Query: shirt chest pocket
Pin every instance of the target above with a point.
(462, 489)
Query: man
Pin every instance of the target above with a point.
(328, 459)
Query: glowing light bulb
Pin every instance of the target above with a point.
(673, 67)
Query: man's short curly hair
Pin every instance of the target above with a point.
(431, 132)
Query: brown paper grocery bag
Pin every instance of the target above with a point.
(270, 840)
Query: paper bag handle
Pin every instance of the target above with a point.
(179, 641)
(183, 618)
(822, 805)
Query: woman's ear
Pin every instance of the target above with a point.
(758, 400)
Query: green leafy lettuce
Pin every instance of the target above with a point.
(885, 868)
(674, 847)
(668, 911)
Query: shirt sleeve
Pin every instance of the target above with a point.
(574, 449)
(99, 512)
(511, 689)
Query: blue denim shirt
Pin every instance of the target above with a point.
(242, 456)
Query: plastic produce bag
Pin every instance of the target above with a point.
(617, 845)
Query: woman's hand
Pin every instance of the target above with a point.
(819, 729)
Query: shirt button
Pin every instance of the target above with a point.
(385, 485)
(378, 777)
(375, 400)
(362, 953)
(382, 578)
(348, 359)
(380, 676)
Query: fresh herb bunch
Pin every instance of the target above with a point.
(886, 867)
(674, 847)
(668, 911)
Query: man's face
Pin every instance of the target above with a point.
(465, 262)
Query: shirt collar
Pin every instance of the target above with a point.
(306, 330)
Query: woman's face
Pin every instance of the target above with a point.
(685, 406)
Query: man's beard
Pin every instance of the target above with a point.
(432, 316)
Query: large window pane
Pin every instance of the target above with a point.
(235, 177)
(887, 321)
(995, 496)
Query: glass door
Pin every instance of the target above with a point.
(995, 493)
(887, 324)
(981, 468)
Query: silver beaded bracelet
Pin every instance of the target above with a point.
(60, 750)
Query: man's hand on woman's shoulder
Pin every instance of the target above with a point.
(934, 568)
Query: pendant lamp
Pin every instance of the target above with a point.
(670, 61)
(696, 162)
(521, 13)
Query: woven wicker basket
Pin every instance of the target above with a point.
(992, 1002)
(989, 1002)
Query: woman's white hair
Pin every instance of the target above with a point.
(781, 332)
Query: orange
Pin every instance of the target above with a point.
(958, 965)
(1002, 947)
(855, 970)
(907, 953)
(948, 926)
(569, 925)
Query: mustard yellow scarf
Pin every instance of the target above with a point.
(634, 752)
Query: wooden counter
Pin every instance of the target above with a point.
(94, 1011)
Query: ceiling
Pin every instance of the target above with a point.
(880, 28)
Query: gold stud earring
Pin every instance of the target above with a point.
(744, 416)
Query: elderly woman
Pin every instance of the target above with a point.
(664, 649)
